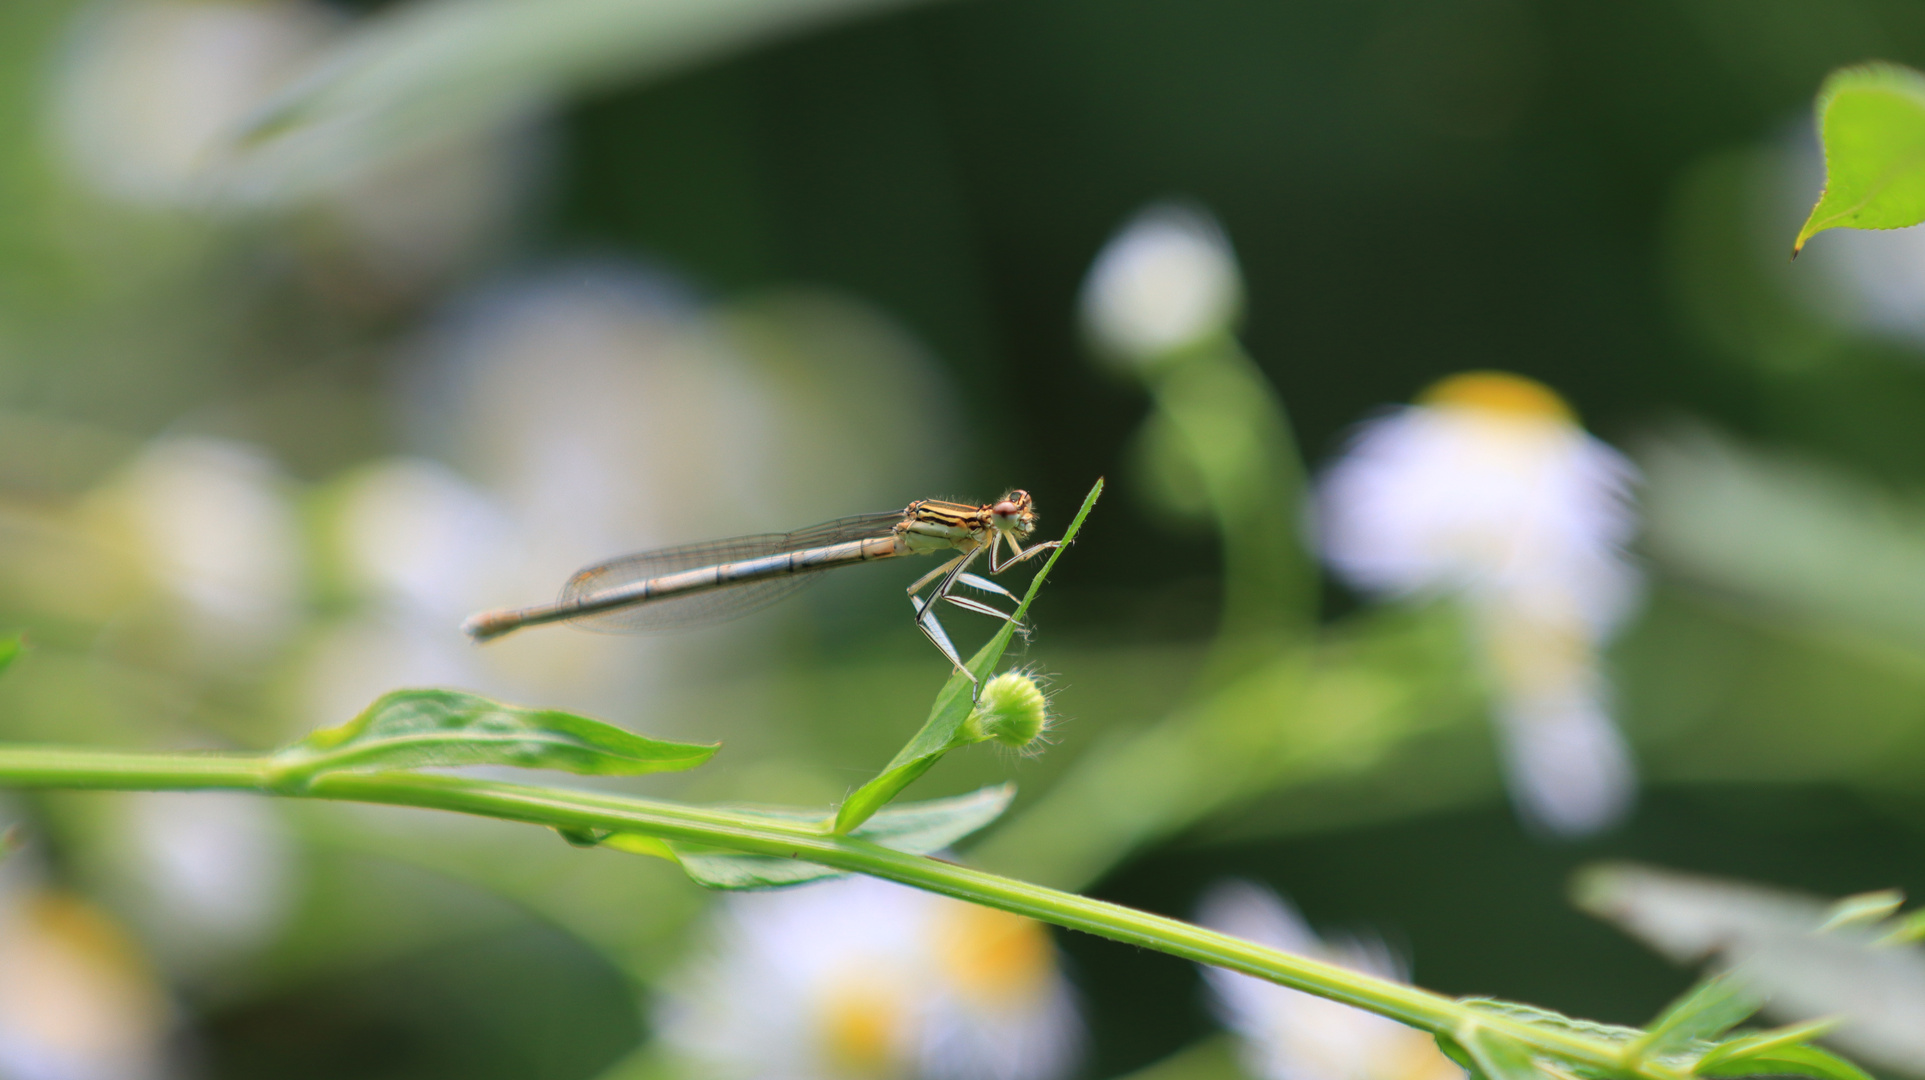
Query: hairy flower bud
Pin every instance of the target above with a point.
(1012, 710)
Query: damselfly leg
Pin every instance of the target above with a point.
(955, 572)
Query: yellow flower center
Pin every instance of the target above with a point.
(862, 1030)
(995, 956)
(1499, 392)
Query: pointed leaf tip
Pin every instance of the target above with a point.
(1871, 119)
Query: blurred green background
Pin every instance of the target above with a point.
(263, 444)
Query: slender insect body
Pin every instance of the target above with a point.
(702, 583)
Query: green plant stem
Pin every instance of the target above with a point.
(115, 770)
(74, 767)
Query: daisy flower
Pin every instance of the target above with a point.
(1287, 1034)
(1488, 491)
(859, 979)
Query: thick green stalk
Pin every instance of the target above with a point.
(579, 811)
(83, 767)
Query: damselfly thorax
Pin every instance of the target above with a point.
(698, 584)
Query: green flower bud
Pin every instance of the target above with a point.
(1011, 710)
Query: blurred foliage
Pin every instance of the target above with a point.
(259, 455)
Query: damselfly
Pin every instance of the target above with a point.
(699, 584)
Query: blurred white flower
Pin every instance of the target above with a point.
(412, 533)
(1876, 279)
(598, 409)
(152, 89)
(1287, 1034)
(418, 218)
(212, 521)
(152, 95)
(1166, 281)
(1490, 492)
(856, 979)
(76, 1002)
(352, 662)
(212, 875)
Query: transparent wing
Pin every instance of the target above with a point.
(719, 605)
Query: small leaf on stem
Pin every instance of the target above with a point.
(1764, 1042)
(410, 729)
(1793, 1060)
(1706, 1011)
(915, 828)
(1495, 1057)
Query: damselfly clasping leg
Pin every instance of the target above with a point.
(698, 584)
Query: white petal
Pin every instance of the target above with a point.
(1568, 769)
(1290, 1035)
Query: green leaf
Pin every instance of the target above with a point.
(1495, 1057)
(1764, 1042)
(1550, 1020)
(1706, 1011)
(1794, 1060)
(1909, 929)
(1872, 121)
(411, 729)
(10, 649)
(440, 69)
(1863, 908)
(944, 730)
(915, 828)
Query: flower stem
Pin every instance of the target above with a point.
(77, 767)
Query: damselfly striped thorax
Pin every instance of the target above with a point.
(698, 584)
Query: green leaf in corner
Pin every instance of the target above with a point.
(1872, 120)
(945, 729)
(914, 828)
(10, 649)
(410, 729)
(1706, 1011)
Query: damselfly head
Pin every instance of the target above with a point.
(1013, 513)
